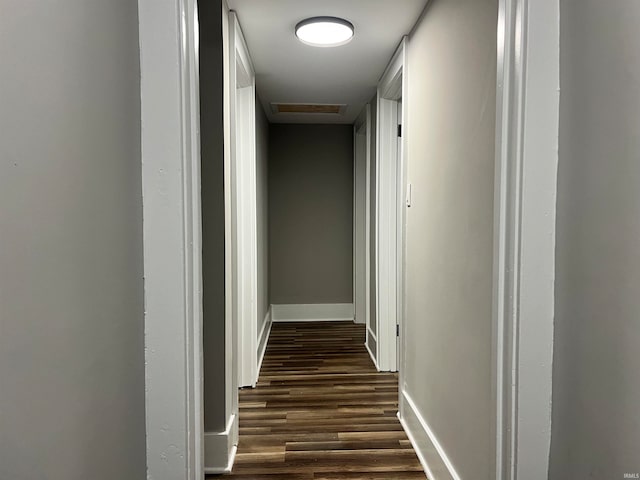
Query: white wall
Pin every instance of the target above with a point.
(71, 280)
(596, 393)
(450, 134)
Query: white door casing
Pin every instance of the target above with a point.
(401, 229)
(172, 227)
(360, 221)
(527, 119)
(244, 206)
(362, 128)
(390, 212)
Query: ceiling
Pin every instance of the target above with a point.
(288, 71)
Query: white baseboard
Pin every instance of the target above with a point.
(220, 448)
(263, 339)
(373, 358)
(326, 312)
(432, 456)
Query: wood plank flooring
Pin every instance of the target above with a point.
(321, 411)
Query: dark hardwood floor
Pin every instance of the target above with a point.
(321, 411)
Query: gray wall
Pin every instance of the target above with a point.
(311, 214)
(450, 140)
(213, 235)
(596, 393)
(71, 280)
(262, 180)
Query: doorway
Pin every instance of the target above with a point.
(170, 139)
(390, 193)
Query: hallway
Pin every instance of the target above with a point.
(321, 411)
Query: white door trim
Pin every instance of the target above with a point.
(362, 126)
(172, 238)
(524, 247)
(368, 233)
(244, 200)
(364, 122)
(388, 213)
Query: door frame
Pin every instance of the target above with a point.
(244, 221)
(390, 188)
(527, 121)
(172, 238)
(363, 122)
(526, 169)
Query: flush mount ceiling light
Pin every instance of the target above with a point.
(324, 31)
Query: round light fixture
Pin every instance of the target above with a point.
(324, 31)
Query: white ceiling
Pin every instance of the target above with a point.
(288, 71)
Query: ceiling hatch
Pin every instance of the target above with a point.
(308, 108)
